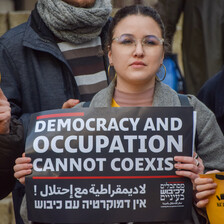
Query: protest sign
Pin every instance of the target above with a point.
(215, 207)
(107, 165)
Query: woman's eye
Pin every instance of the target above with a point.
(127, 42)
(149, 42)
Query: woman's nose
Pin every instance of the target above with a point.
(139, 50)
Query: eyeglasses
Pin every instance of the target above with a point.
(129, 40)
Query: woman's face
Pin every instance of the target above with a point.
(81, 3)
(136, 64)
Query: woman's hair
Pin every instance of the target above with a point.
(135, 10)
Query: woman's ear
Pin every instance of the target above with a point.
(110, 57)
(162, 58)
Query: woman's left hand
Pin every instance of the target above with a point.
(188, 166)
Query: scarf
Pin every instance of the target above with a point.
(73, 24)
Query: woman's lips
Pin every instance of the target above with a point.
(138, 64)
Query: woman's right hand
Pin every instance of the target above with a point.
(205, 188)
(22, 168)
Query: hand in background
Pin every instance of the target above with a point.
(22, 168)
(70, 103)
(5, 114)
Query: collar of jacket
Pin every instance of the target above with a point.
(38, 37)
(164, 96)
(38, 25)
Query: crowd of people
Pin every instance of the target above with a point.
(60, 57)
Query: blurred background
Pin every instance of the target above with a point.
(15, 12)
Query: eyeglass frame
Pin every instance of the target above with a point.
(161, 40)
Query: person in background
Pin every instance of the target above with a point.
(203, 36)
(55, 56)
(211, 94)
(136, 48)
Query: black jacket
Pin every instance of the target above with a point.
(8, 156)
(212, 95)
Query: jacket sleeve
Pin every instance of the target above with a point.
(211, 94)
(11, 147)
(210, 144)
(10, 82)
(170, 11)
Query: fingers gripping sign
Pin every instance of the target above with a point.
(189, 167)
(5, 114)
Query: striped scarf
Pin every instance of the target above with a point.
(87, 64)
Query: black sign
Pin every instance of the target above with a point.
(107, 165)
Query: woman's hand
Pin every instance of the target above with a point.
(205, 187)
(22, 168)
(188, 166)
(5, 114)
(70, 103)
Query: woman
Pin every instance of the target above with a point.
(136, 48)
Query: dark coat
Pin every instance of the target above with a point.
(212, 95)
(7, 157)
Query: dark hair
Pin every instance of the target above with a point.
(135, 10)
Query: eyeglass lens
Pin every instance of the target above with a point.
(149, 40)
